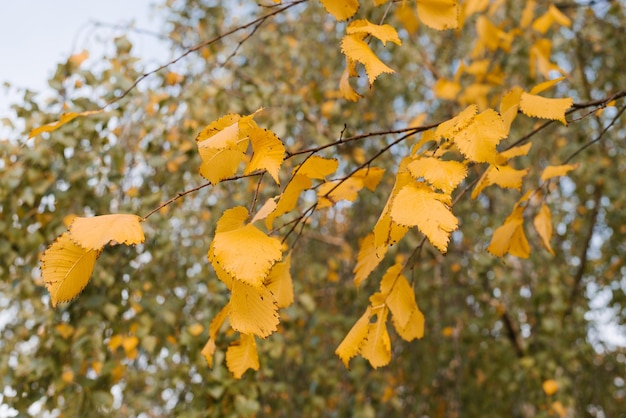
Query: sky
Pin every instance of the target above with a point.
(37, 34)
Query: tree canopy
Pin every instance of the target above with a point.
(324, 208)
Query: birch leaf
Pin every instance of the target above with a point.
(269, 152)
(353, 47)
(245, 253)
(252, 310)
(280, 283)
(418, 205)
(353, 341)
(368, 259)
(242, 355)
(479, 139)
(66, 269)
(510, 237)
(557, 171)
(443, 175)
(377, 346)
(543, 224)
(95, 232)
(439, 14)
(317, 167)
(545, 108)
(209, 348)
(65, 118)
(384, 33)
(289, 198)
(341, 9)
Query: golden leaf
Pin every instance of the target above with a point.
(504, 176)
(542, 107)
(377, 346)
(269, 152)
(242, 355)
(289, 198)
(209, 348)
(65, 118)
(550, 387)
(510, 237)
(543, 225)
(443, 175)
(345, 88)
(252, 310)
(66, 269)
(509, 105)
(492, 36)
(341, 9)
(95, 232)
(557, 170)
(552, 15)
(245, 253)
(418, 205)
(384, 33)
(414, 327)
(545, 85)
(479, 139)
(367, 259)
(439, 14)
(268, 207)
(279, 282)
(351, 344)
(353, 47)
(317, 167)
(451, 127)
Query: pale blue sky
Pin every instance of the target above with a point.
(37, 34)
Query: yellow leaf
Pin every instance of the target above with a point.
(345, 88)
(252, 310)
(209, 348)
(439, 14)
(65, 118)
(66, 269)
(545, 85)
(245, 253)
(451, 127)
(341, 9)
(96, 232)
(242, 355)
(492, 36)
(418, 205)
(367, 259)
(510, 237)
(475, 6)
(377, 346)
(556, 171)
(528, 13)
(414, 327)
(509, 105)
(280, 284)
(332, 192)
(539, 58)
(384, 33)
(353, 341)
(195, 329)
(115, 342)
(66, 330)
(268, 207)
(406, 15)
(543, 225)
(504, 176)
(269, 152)
(317, 167)
(520, 151)
(550, 387)
(387, 231)
(446, 89)
(552, 15)
(479, 139)
(289, 198)
(542, 107)
(400, 297)
(443, 175)
(356, 49)
(219, 164)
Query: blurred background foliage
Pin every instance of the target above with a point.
(496, 329)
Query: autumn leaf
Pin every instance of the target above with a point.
(317, 167)
(351, 344)
(550, 387)
(280, 284)
(543, 225)
(542, 107)
(439, 14)
(355, 48)
(451, 127)
(289, 198)
(480, 137)
(244, 252)
(66, 268)
(65, 118)
(509, 105)
(268, 207)
(510, 237)
(384, 33)
(95, 232)
(345, 88)
(368, 258)
(377, 346)
(341, 9)
(443, 175)
(332, 192)
(418, 205)
(551, 16)
(242, 355)
(401, 300)
(268, 154)
(504, 176)
(209, 348)
(252, 310)
(557, 171)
